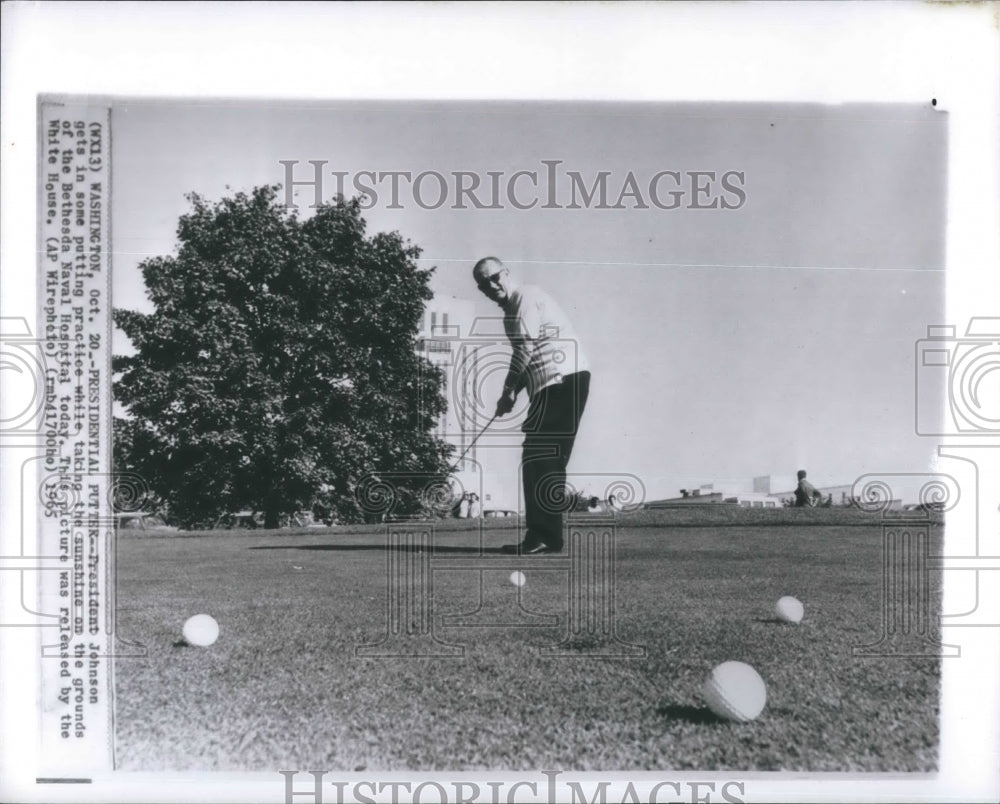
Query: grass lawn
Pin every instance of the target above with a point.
(284, 688)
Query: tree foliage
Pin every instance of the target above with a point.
(278, 367)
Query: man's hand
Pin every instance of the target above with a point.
(505, 404)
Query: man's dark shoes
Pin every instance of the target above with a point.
(532, 548)
(542, 549)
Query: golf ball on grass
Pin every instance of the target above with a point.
(201, 630)
(518, 578)
(735, 691)
(789, 610)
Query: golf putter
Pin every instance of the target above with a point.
(472, 444)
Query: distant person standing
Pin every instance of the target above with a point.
(475, 509)
(548, 363)
(806, 494)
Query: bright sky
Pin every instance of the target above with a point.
(725, 343)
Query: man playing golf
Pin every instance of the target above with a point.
(548, 362)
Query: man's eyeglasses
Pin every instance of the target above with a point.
(490, 280)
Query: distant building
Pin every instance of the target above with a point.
(701, 496)
(448, 338)
(837, 495)
(444, 325)
(760, 497)
(705, 494)
(753, 499)
(687, 498)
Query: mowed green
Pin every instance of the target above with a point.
(284, 686)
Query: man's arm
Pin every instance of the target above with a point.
(520, 336)
(517, 373)
(516, 379)
(522, 330)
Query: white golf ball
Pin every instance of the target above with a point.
(201, 630)
(735, 691)
(789, 610)
(517, 578)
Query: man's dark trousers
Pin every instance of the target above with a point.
(550, 431)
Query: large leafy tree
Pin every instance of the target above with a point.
(278, 367)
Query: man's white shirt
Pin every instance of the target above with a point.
(542, 339)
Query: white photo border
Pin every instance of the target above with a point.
(777, 52)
